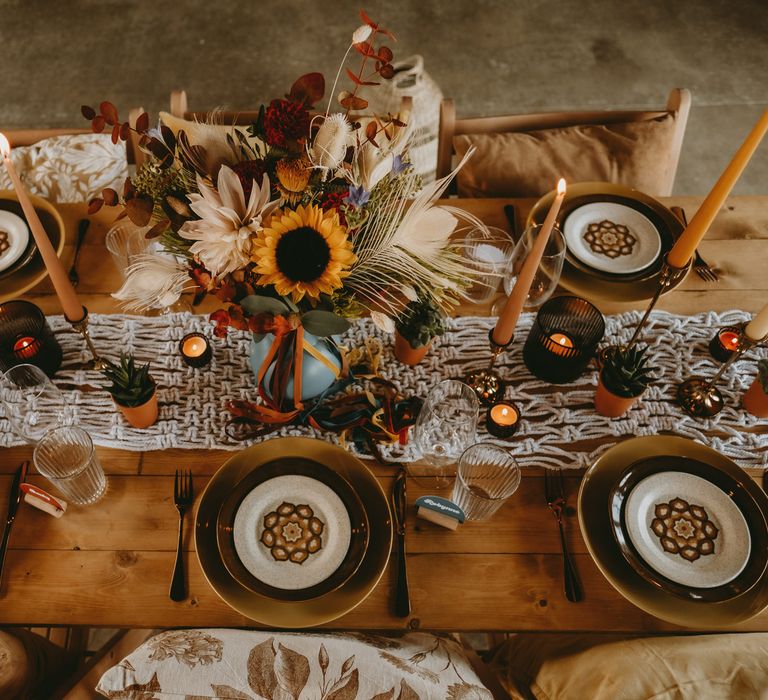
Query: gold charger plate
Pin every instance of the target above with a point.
(579, 279)
(33, 272)
(286, 613)
(594, 521)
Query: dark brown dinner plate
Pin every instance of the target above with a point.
(731, 487)
(299, 466)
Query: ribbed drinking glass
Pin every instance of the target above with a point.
(33, 404)
(487, 476)
(66, 457)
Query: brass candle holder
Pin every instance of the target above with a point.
(669, 276)
(81, 327)
(487, 383)
(701, 398)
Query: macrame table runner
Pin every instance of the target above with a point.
(560, 426)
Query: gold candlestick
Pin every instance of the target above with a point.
(701, 398)
(669, 276)
(487, 383)
(81, 327)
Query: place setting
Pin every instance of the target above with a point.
(616, 239)
(679, 530)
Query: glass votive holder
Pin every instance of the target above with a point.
(725, 342)
(26, 338)
(488, 253)
(563, 339)
(196, 350)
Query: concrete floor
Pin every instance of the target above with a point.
(492, 56)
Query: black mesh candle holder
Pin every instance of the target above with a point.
(563, 339)
(26, 338)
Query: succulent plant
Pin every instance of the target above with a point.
(762, 373)
(626, 372)
(131, 385)
(420, 322)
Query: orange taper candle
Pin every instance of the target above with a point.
(505, 326)
(686, 245)
(70, 304)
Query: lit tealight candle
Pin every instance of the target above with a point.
(502, 420)
(724, 343)
(26, 347)
(562, 343)
(195, 350)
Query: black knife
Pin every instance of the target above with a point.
(399, 503)
(13, 505)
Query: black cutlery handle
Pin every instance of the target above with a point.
(3, 550)
(178, 582)
(402, 596)
(570, 577)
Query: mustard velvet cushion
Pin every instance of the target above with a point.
(613, 667)
(528, 164)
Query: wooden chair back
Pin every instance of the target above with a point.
(678, 103)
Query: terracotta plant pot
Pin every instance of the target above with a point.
(141, 416)
(407, 354)
(609, 404)
(756, 400)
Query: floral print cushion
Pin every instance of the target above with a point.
(73, 168)
(198, 664)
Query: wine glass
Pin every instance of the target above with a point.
(446, 426)
(547, 274)
(33, 403)
(488, 254)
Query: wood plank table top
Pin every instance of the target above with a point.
(110, 564)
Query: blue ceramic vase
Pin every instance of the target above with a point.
(315, 376)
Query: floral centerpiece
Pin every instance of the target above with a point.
(306, 220)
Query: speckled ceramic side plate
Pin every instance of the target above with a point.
(612, 237)
(687, 529)
(292, 532)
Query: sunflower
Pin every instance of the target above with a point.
(303, 252)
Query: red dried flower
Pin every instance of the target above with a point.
(285, 121)
(248, 171)
(335, 200)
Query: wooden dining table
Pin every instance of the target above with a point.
(110, 564)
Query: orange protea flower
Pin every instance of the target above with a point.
(301, 252)
(292, 178)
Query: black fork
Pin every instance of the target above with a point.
(554, 490)
(183, 496)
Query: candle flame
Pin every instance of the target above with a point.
(561, 341)
(561, 186)
(5, 147)
(504, 412)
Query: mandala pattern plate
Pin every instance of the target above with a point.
(612, 237)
